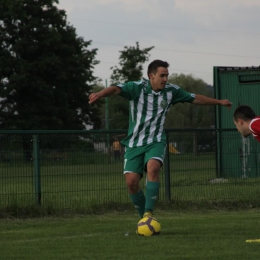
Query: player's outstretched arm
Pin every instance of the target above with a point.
(112, 90)
(203, 100)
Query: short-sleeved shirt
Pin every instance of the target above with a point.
(255, 128)
(148, 110)
(116, 145)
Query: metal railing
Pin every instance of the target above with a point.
(78, 168)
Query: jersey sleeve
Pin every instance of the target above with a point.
(180, 95)
(129, 90)
(255, 126)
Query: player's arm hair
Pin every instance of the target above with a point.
(106, 92)
(203, 100)
(112, 90)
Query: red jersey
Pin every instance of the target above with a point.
(255, 128)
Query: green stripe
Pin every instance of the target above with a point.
(143, 112)
(155, 111)
(160, 119)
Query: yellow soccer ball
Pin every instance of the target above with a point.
(148, 226)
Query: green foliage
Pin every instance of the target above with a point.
(131, 62)
(118, 112)
(100, 107)
(188, 115)
(46, 70)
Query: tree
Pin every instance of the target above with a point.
(46, 70)
(131, 62)
(100, 106)
(188, 115)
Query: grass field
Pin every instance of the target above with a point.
(185, 235)
(201, 221)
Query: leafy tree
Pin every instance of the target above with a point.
(188, 115)
(100, 106)
(131, 68)
(46, 70)
(131, 62)
(191, 116)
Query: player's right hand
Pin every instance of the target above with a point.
(93, 98)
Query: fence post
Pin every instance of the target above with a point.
(36, 167)
(167, 179)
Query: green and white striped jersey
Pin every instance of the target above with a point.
(148, 110)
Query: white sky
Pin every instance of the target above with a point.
(192, 35)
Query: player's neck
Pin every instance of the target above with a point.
(154, 88)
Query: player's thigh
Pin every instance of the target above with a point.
(134, 160)
(155, 151)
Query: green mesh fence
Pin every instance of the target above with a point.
(77, 168)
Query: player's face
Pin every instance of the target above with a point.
(242, 127)
(159, 79)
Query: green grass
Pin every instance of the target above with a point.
(80, 180)
(185, 235)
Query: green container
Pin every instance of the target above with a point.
(237, 156)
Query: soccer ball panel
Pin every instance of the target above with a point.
(148, 227)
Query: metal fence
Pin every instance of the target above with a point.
(69, 169)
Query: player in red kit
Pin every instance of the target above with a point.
(247, 122)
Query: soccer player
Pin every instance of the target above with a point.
(145, 143)
(247, 122)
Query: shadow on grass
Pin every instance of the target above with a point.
(16, 210)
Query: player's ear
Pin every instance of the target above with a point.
(240, 121)
(151, 75)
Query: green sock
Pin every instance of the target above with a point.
(152, 191)
(138, 200)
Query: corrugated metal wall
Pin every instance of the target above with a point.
(239, 157)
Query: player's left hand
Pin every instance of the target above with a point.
(93, 98)
(227, 103)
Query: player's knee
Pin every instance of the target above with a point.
(154, 168)
(132, 182)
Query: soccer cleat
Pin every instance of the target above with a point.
(149, 214)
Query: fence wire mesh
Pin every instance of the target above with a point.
(69, 169)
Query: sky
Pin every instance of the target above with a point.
(193, 36)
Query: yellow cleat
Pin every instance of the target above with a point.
(149, 214)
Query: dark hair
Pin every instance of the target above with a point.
(154, 65)
(244, 112)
